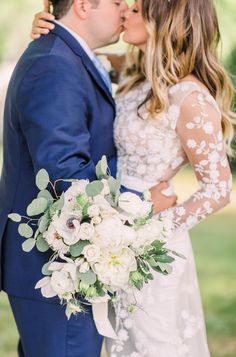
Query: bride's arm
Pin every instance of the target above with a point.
(41, 24)
(199, 129)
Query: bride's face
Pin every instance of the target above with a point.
(135, 32)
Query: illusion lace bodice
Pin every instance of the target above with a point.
(153, 150)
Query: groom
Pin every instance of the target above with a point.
(59, 116)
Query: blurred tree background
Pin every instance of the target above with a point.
(213, 240)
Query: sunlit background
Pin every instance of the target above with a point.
(214, 240)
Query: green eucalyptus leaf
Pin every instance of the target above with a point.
(77, 248)
(44, 222)
(101, 168)
(114, 185)
(25, 230)
(89, 277)
(41, 244)
(42, 179)
(58, 205)
(37, 206)
(28, 245)
(45, 194)
(15, 217)
(94, 188)
(45, 270)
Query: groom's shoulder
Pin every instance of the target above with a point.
(47, 48)
(47, 54)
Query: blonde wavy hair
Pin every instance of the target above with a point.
(183, 39)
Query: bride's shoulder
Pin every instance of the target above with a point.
(191, 90)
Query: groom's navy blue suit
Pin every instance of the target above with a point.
(59, 116)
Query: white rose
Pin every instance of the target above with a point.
(96, 220)
(62, 283)
(93, 211)
(54, 240)
(84, 267)
(91, 252)
(86, 231)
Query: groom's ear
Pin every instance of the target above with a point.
(82, 8)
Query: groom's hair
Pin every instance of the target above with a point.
(61, 7)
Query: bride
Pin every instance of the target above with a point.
(173, 108)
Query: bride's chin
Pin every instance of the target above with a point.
(127, 40)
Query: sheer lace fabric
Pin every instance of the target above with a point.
(171, 323)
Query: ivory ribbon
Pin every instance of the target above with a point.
(100, 316)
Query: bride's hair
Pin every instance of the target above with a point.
(183, 40)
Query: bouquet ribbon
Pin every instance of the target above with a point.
(100, 316)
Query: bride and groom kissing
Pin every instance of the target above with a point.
(169, 111)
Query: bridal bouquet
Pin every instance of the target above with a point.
(102, 240)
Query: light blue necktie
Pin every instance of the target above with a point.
(105, 76)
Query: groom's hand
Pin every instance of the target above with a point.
(160, 200)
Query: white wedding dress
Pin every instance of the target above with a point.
(170, 322)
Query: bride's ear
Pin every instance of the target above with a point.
(82, 8)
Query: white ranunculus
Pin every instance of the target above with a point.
(93, 211)
(91, 252)
(62, 283)
(68, 226)
(86, 231)
(54, 240)
(109, 233)
(84, 267)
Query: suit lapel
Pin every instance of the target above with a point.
(88, 64)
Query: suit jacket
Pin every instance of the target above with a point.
(59, 116)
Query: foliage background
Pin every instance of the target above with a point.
(213, 240)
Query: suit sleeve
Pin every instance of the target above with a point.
(54, 116)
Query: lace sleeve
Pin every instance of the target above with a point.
(200, 132)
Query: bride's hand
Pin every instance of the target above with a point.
(41, 24)
(160, 200)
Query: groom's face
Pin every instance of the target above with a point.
(107, 21)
